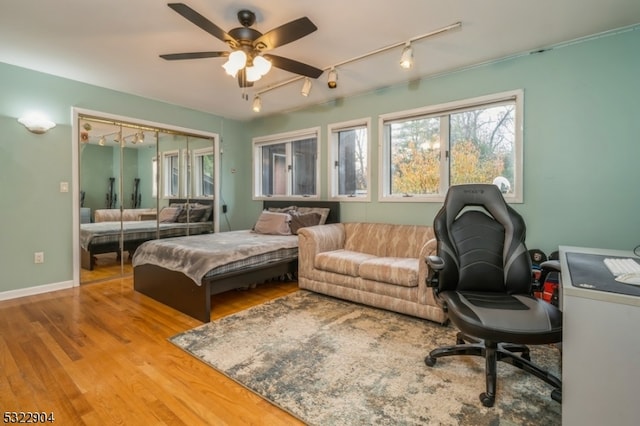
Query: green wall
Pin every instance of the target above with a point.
(35, 215)
(581, 139)
(581, 150)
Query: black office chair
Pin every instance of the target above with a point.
(482, 277)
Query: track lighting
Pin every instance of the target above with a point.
(306, 87)
(101, 141)
(406, 59)
(257, 104)
(332, 79)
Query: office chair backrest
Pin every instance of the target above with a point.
(481, 240)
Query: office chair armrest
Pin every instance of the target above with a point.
(551, 265)
(436, 264)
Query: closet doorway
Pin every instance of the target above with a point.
(133, 179)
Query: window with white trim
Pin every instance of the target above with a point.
(424, 151)
(170, 174)
(349, 160)
(203, 183)
(286, 165)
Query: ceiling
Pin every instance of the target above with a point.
(115, 44)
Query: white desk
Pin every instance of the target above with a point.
(600, 351)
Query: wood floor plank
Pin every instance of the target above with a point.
(99, 354)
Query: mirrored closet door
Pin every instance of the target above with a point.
(138, 183)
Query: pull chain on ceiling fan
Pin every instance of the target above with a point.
(247, 60)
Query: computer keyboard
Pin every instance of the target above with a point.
(619, 266)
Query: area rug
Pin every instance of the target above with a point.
(332, 362)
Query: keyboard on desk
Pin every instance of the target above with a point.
(619, 266)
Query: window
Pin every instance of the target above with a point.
(286, 165)
(473, 141)
(203, 172)
(171, 174)
(349, 160)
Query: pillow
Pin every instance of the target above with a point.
(323, 211)
(206, 215)
(194, 214)
(300, 220)
(169, 214)
(273, 223)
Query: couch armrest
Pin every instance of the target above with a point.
(317, 239)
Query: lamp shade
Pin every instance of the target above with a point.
(237, 60)
(36, 123)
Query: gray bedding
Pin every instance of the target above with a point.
(108, 232)
(198, 255)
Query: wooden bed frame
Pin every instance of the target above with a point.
(178, 291)
(87, 257)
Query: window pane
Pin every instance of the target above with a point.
(304, 167)
(204, 175)
(274, 169)
(482, 146)
(415, 156)
(352, 162)
(175, 175)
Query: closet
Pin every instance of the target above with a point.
(139, 181)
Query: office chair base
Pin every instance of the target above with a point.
(493, 352)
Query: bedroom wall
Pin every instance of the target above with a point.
(35, 215)
(581, 139)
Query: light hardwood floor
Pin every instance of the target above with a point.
(98, 354)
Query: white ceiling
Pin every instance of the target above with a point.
(116, 43)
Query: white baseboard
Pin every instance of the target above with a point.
(30, 291)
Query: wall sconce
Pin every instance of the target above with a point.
(306, 87)
(332, 79)
(36, 123)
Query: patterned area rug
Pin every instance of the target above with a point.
(331, 362)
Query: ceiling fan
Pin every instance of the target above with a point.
(247, 61)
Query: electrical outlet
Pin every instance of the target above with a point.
(224, 208)
(38, 257)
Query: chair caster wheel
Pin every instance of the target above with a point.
(430, 361)
(487, 400)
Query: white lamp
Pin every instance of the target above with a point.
(237, 60)
(36, 123)
(332, 79)
(257, 104)
(406, 59)
(306, 87)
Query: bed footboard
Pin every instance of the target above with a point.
(178, 291)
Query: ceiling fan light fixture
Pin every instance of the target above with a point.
(332, 79)
(257, 104)
(406, 58)
(306, 87)
(262, 65)
(237, 60)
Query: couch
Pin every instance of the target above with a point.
(113, 215)
(381, 265)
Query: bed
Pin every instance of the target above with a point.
(215, 265)
(104, 237)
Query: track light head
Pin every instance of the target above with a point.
(306, 87)
(332, 79)
(406, 59)
(257, 104)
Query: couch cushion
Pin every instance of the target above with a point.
(393, 270)
(343, 262)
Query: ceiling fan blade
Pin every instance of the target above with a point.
(294, 66)
(202, 22)
(193, 55)
(284, 34)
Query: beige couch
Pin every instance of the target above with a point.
(128, 215)
(381, 265)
